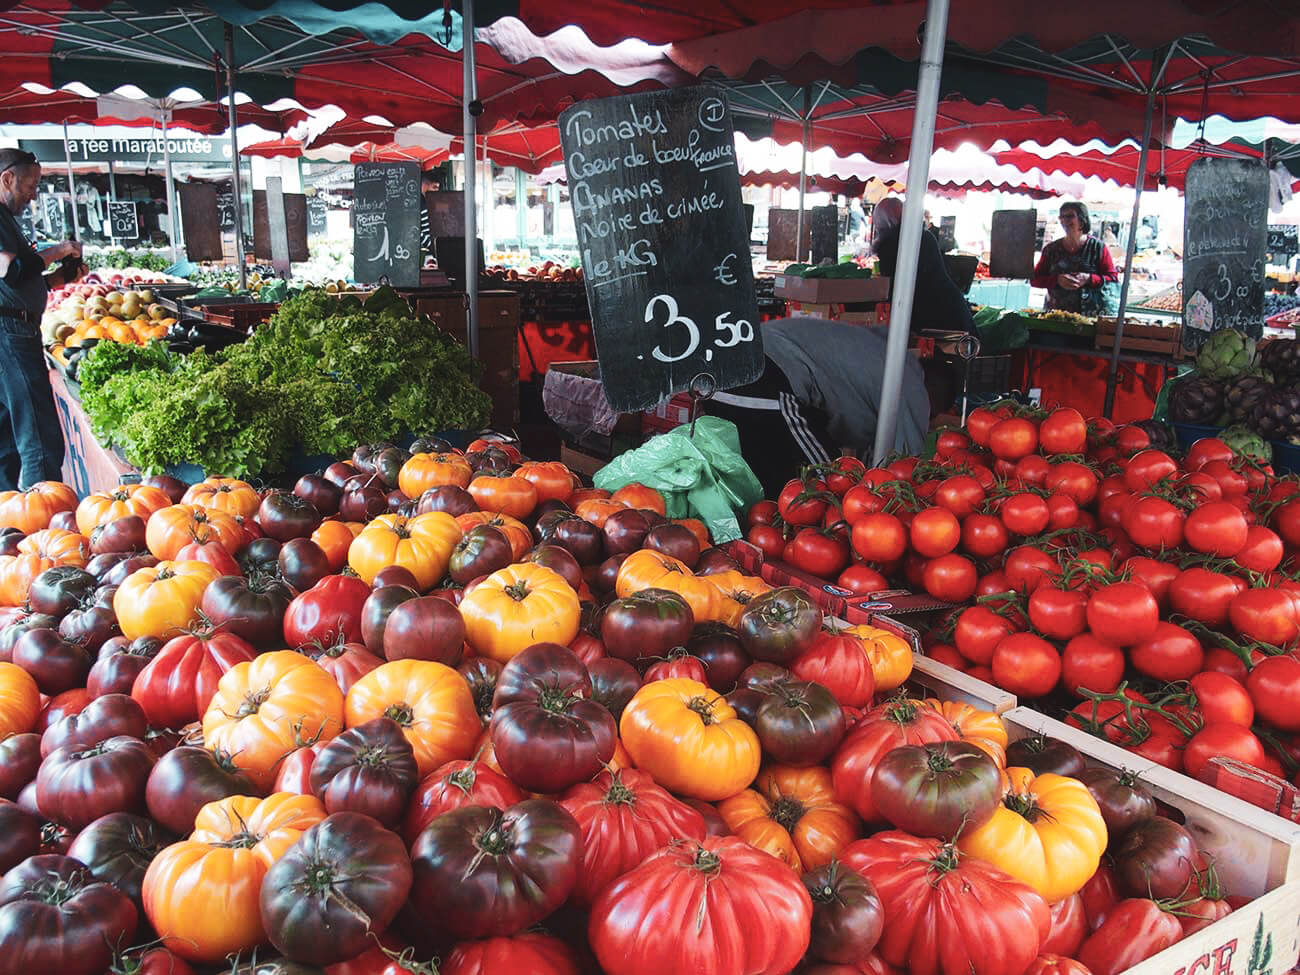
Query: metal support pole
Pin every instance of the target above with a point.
(1112, 376)
(72, 189)
(236, 183)
(469, 115)
(803, 173)
(112, 181)
(172, 234)
(909, 240)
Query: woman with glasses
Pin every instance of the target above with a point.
(1077, 269)
(31, 442)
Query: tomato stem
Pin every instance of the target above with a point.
(787, 811)
(703, 707)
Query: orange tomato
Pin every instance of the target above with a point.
(162, 600)
(123, 501)
(509, 495)
(551, 479)
(636, 495)
(31, 510)
(228, 494)
(424, 471)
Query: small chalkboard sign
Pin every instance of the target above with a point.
(226, 207)
(56, 224)
(124, 220)
(781, 228)
(655, 192)
(199, 219)
(386, 228)
(1012, 237)
(1283, 239)
(1225, 235)
(825, 234)
(317, 217)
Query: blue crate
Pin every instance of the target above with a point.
(1286, 457)
(1189, 433)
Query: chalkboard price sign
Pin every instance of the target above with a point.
(1225, 234)
(655, 192)
(26, 224)
(226, 208)
(386, 224)
(124, 220)
(317, 219)
(55, 222)
(1283, 239)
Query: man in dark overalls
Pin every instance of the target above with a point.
(31, 443)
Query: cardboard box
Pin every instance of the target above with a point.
(826, 291)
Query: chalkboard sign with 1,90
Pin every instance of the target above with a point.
(655, 192)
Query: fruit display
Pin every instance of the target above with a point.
(1226, 354)
(454, 706)
(95, 311)
(546, 271)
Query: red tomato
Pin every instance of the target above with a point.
(1062, 512)
(1232, 482)
(762, 513)
(1263, 550)
(879, 537)
(1220, 698)
(1026, 665)
(861, 580)
(1205, 450)
(1123, 613)
(978, 631)
(1274, 686)
(1069, 927)
(950, 441)
(859, 501)
(1100, 895)
(935, 532)
(1027, 568)
(1266, 615)
(821, 552)
(948, 656)
(1058, 613)
(984, 536)
(1032, 470)
(1218, 528)
(960, 494)
(1201, 487)
(1133, 931)
(1073, 479)
(1228, 740)
(980, 423)
(1169, 654)
(1154, 574)
(1024, 514)
(1091, 664)
(1013, 438)
(1153, 523)
(1204, 595)
(1221, 661)
(992, 583)
(767, 539)
(844, 473)
(1148, 468)
(1063, 432)
(951, 578)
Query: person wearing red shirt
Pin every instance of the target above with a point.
(1076, 269)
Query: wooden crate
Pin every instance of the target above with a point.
(1153, 339)
(1257, 855)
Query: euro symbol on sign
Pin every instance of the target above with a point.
(723, 273)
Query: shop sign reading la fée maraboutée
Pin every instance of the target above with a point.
(194, 149)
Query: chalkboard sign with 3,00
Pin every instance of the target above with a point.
(386, 227)
(1225, 233)
(656, 203)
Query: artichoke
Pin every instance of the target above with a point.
(1243, 394)
(1196, 399)
(1277, 415)
(1226, 354)
(1161, 434)
(1281, 357)
(1248, 443)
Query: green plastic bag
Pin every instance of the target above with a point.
(1161, 411)
(701, 476)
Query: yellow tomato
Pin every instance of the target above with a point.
(518, 606)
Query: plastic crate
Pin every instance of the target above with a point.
(1188, 433)
(1286, 457)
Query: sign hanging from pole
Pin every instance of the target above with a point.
(656, 200)
(1225, 236)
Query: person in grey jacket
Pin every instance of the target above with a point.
(820, 392)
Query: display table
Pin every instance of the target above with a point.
(88, 466)
(1077, 378)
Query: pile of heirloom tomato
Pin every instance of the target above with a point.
(444, 712)
(1148, 595)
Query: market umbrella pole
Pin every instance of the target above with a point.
(72, 190)
(803, 175)
(469, 115)
(171, 190)
(237, 190)
(909, 240)
(1112, 376)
